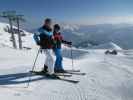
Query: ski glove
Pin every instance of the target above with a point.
(69, 43)
(38, 43)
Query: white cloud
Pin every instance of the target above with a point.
(106, 19)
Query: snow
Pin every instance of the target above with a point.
(5, 37)
(107, 77)
(71, 27)
(109, 45)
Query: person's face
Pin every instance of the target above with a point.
(56, 30)
(49, 24)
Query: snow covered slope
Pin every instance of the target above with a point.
(5, 37)
(107, 77)
(109, 45)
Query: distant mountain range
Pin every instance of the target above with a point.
(85, 36)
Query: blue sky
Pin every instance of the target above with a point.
(72, 11)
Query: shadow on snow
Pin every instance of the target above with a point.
(19, 78)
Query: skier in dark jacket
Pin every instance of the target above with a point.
(44, 39)
(58, 40)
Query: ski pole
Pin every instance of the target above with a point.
(35, 60)
(72, 58)
(33, 67)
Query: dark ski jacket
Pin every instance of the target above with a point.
(44, 37)
(58, 40)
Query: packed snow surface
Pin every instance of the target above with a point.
(107, 77)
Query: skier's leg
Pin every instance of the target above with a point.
(49, 61)
(58, 65)
(56, 61)
(60, 58)
(45, 67)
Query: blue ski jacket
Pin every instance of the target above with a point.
(43, 37)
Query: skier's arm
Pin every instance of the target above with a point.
(42, 31)
(66, 42)
(36, 38)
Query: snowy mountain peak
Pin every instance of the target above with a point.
(71, 27)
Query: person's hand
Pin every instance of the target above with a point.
(52, 37)
(69, 44)
(41, 50)
(38, 43)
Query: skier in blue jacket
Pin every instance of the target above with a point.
(44, 39)
(58, 40)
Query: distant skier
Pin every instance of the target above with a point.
(58, 40)
(44, 39)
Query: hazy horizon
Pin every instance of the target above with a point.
(85, 12)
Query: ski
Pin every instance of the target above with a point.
(58, 74)
(63, 79)
(75, 73)
(69, 80)
(56, 77)
(72, 70)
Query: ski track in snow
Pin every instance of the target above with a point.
(107, 78)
